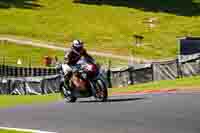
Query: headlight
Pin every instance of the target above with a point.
(84, 75)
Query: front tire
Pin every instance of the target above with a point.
(101, 91)
(64, 93)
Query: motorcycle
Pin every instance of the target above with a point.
(86, 80)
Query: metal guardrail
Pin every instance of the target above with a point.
(13, 71)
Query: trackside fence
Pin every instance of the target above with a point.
(143, 73)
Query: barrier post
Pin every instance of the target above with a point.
(131, 69)
(24, 87)
(152, 71)
(199, 64)
(154, 75)
(180, 74)
(109, 74)
(42, 86)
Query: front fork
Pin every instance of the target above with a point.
(93, 88)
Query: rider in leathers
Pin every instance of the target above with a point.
(73, 55)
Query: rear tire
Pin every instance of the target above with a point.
(64, 93)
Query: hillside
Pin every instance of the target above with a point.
(108, 26)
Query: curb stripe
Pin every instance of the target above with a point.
(143, 92)
(25, 130)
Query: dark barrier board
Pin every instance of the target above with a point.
(189, 46)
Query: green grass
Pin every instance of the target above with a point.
(183, 84)
(11, 131)
(35, 55)
(27, 54)
(14, 100)
(108, 27)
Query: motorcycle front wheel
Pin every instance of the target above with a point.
(65, 93)
(101, 91)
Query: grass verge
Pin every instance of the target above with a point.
(11, 100)
(188, 83)
(11, 131)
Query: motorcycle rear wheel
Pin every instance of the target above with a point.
(64, 93)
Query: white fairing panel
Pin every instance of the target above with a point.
(66, 68)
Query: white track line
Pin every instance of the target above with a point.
(25, 130)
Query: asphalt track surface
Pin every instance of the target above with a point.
(151, 113)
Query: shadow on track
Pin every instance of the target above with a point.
(114, 100)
